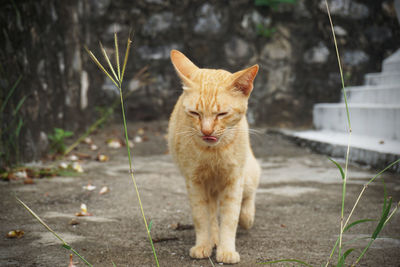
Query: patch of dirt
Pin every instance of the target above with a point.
(298, 208)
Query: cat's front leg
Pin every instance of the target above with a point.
(230, 202)
(200, 214)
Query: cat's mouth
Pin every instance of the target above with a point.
(209, 138)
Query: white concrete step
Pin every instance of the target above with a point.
(375, 152)
(392, 63)
(377, 94)
(376, 120)
(382, 78)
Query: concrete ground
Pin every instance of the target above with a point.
(298, 209)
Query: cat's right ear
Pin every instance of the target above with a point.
(184, 67)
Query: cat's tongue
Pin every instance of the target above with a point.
(210, 139)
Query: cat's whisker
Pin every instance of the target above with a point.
(184, 132)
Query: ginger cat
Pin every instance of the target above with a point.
(209, 140)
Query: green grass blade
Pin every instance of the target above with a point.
(108, 61)
(363, 252)
(19, 105)
(287, 260)
(128, 46)
(343, 257)
(150, 225)
(382, 171)
(113, 264)
(95, 60)
(66, 246)
(117, 56)
(339, 167)
(382, 221)
(384, 197)
(392, 213)
(357, 222)
(19, 126)
(68, 133)
(10, 93)
(82, 258)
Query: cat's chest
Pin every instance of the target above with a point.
(205, 166)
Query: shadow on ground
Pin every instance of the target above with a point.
(298, 207)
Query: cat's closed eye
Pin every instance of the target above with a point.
(222, 114)
(194, 113)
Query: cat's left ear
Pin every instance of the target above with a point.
(184, 67)
(243, 80)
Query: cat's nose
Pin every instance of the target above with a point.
(207, 131)
(207, 127)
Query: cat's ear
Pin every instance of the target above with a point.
(243, 80)
(183, 66)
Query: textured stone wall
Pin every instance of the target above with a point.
(43, 41)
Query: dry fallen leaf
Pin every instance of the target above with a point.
(181, 227)
(82, 155)
(73, 157)
(102, 158)
(88, 140)
(71, 263)
(63, 165)
(140, 131)
(138, 139)
(104, 190)
(114, 143)
(15, 234)
(74, 222)
(21, 174)
(83, 211)
(29, 181)
(89, 187)
(77, 167)
(93, 147)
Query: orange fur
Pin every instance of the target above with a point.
(208, 138)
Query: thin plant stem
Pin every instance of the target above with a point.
(134, 180)
(93, 57)
(128, 46)
(357, 201)
(117, 56)
(349, 137)
(392, 213)
(109, 62)
(363, 252)
(339, 63)
(118, 84)
(344, 193)
(212, 263)
(140, 75)
(65, 244)
(365, 187)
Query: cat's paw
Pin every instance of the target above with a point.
(246, 220)
(227, 256)
(247, 211)
(200, 251)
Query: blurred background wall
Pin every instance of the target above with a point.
(42, 47)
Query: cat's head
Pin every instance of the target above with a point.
(214, 101)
